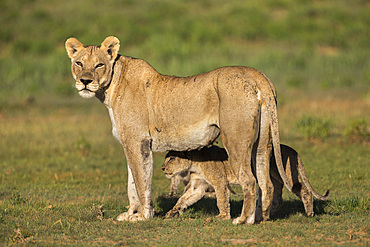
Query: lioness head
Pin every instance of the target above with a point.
(92, 65)
(175, 163)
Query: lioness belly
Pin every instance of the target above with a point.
(184, 138)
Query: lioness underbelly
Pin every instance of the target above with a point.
(182, 138)
(183, 113)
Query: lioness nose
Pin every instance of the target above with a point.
(85, 81)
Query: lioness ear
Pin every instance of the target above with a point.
(73, 46)
(111, 45)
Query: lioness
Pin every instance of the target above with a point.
(151, 112)
(208, 170)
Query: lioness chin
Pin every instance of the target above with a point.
(151, 112)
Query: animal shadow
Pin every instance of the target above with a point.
(291, 207)
(208, 206)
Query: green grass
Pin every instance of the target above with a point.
(63, 177)
(53, 192)
(286, 39)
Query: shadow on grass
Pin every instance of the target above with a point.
(292, 207)
(208, 206)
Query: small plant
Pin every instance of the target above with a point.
(348, 205)
(3, 212)
(357, 130)
(17, 199)
(311, 127)
(83, 145)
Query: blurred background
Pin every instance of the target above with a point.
(310, 46)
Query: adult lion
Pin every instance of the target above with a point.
(151, 112)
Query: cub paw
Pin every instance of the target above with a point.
(223, 216)
(173, 214)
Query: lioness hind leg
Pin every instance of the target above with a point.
(248, 183)
(240, 152)
(239, 124)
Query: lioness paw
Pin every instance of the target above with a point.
(239, 221)
(123, 217)
(136, 217)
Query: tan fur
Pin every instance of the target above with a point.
(297, 176)
(208, 171)
(151, 112)
(214, 173)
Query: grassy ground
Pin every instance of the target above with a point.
(63, 181)
(63, 177)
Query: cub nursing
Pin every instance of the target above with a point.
(206, 170)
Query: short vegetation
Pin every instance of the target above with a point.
(63, 177)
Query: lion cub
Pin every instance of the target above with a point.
(206, 170)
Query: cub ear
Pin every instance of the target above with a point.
(111, 45)
(73, 46)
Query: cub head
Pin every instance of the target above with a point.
(175, 163)
(92, 66)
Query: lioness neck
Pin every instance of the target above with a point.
(127, 71)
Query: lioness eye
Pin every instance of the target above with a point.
(79, 64)
(99, 65)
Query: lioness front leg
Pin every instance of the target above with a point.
(140, 160)
(133, 198)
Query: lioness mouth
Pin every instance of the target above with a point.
(85, 89)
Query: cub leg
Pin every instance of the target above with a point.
(194, 191)
(299, 189)
(175, 181)
(222, 196)
(183, 177)
(306, 197)
(278, 196)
